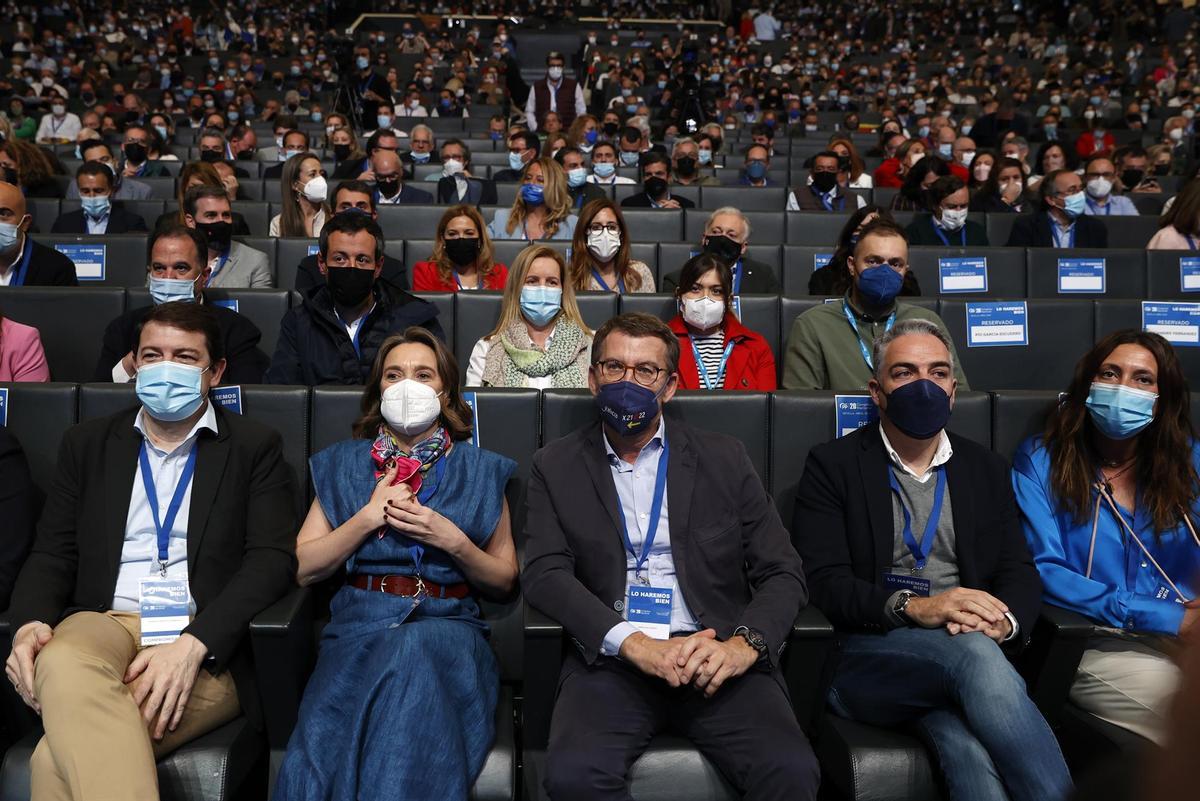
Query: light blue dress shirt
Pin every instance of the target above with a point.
(498, 227)
(1117, 205)
(635, 490)
(94, 226)
(1125, 590)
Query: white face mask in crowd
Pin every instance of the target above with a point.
(410, 407)
(703, 313)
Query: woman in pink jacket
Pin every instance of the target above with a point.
(21, 354)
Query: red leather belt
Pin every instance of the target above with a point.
(408, 586)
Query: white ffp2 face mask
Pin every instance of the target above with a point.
(703, 313)
(410, 407)
(953, 219)
(603, 244)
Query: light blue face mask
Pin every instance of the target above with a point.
(629, 159)
(9, 235)
(166, 290)
(541, 304)
(419, 158)
(1075, 204)
(1119, 411)
(170, 391)
(576, 177)
(604, 169)
(514, 161)
(96, 207)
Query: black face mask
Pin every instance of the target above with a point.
(210, 156)
(349, 286)
(463, 252)
(1131, 178)
(218, 234)
(843, 164)
(655, 187)
(341, 152)
(685, 166)
(824, 181)
(1162, 169)
(723, 248)
(197, 113)
(388, 188)
(610, 128)
(135, 153)
(246, 155)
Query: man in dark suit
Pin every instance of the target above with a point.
(581, 192)
(523, 147)
(390, 188)
(726, 236)
(210, 524)
(19, 505)
(925, 624)
(99, 213)
(710, 555)
(293, 142)
(136, 148)
(457, 184)
(422, 149)
(179, 254)
(351, 197)
(656, 194)
(1061, 223)
(24, 262)
(382, 139)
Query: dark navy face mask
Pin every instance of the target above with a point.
(628, 407)
(920, 409)
(879, 286)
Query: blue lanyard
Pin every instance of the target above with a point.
(224, 257)
(18, 278)
(1096, 208)
(866, 354)
(920, 550)
(1191, 242)
(941, 234)
(605, 287)
(703, 371)
(1057, 239)
(737, 277)
(164, 528)
(660, 488)
(827, 202)
(424, 496)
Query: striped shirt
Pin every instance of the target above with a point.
(711, 348)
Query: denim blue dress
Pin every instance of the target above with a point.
(403, 699)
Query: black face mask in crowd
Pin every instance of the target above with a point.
(685, 166)
(219, 234)
(463, 252)
(210, 156)
(341, 152)
(723, 248)
(655, 187)
(388, 188)
(349, 286)
(135, 153)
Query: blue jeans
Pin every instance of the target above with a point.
(967, 701)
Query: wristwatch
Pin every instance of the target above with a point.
(901, 604)
(756, 640)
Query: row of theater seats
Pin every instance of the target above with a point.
(777, 430)
(1058, 331)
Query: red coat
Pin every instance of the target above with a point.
(887, 175)
(427, 279)
(1085, 145)
(960, 171)
(751, 364)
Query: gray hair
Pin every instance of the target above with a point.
(423, 127)
(729, 210)
(683, 140)
(915, 325)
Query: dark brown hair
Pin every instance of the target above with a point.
(1164, 468)
(580, 268)
(192, 317)
(697, 266)
(456, 414)
(1184, 213)
(639, 324)
(485, 263)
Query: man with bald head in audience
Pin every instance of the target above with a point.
(388, 174)
(24, 262)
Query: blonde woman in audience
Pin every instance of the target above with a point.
(542, 207)
(541, 340)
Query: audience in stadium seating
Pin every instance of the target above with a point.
(825, 188)
(417, 517)
(912, 195)
(1061, 222)
(98, 213)
(456, 183)
(656, 187)
(946, 223)
(136, 150)
(834, 277)
(524, 147)
(726, 236)
(231, 265)
(686, 167)
(343, 145)
(295, 142)
(177, 272)
(463, 257)
(829, 346)
(604, 166)
(126, 188)
(1003, 191)
(715, 350)
(600, 253)
(24, 262)
(923, 642)
(901, 156)
(542, 208)
(234, 487)
(732, 604)
(21, 355)
(1180, 225)
(198, 173)
(351, 196)
(304, 193)
(19, 507)
(1100, 185)
(540, 339)
(387, 174)
(1108, 494)
(333, 336)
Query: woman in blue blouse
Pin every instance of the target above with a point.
(542, 208)
(402, 701)
(1109, 499)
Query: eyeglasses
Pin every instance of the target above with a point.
(899, 265)
(599, 228)
(615, 370)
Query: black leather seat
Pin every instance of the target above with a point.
(71, 321)
(288, 255)
(412, 221)
(1165, 277)
(256, 212)
(746, 198)
(476, 313)
(264, 307)
(446, 312)
(654, 225)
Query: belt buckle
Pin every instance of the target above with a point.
(421, 592)
(383, 583)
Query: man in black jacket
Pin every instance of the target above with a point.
(925, 623)
(726, 236)
(179, 254)
(656, 547)
(457, 184)
(99, 213)
(352, 197)
(24, 262)
(19, 501)
(332, 338)
(176, 507)
(1061, 223)
(656, 187)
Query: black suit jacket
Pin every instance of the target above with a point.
(642, 201)
(480, 192)
(48, 267)
(842, 526)
(921, 232)
(120, 221)
(308, 275)
(757, 279)
(731, 551)
(1033, 231)
(246, 361)
(273, 173)
(351, 169)
(409, 195)
(241, 535)
(19, 502)
(583, 195)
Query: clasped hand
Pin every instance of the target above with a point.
(962, 610)
(700, 660)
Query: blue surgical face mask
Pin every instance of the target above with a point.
(362, 62)
(541, 304)
(95, 207)
(419, 158)
(1075, 204)
(920, 409)
(533, 194)
(879, 286)
(628, 407)
(9, 236)
(629, 159)
(946, 150)
(590, 136)
(604, 169)
(170, 391)
(705, 156)
(166, 290)
(1119, 411)
(576, 177)
(756, 170)
(515, 161)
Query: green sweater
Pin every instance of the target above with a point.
(823, 352)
